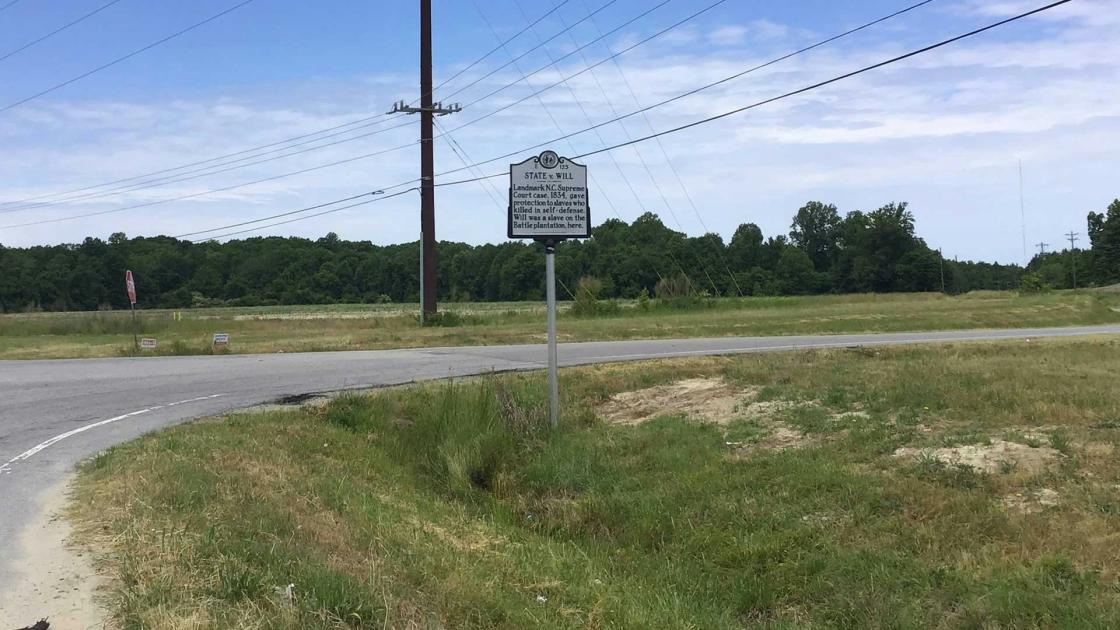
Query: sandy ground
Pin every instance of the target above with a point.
(60, 581)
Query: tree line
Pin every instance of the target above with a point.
(824, 252)
(1097, 265)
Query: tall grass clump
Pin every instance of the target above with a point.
(587, 299)
(462, 437)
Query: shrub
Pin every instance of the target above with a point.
(1032, 283)
(643, 299)
(587, 302)
(674, 287)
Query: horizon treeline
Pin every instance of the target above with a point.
(861, 252)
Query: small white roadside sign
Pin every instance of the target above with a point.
(148, 343)
(221, 339)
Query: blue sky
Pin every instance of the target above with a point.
(944, 131)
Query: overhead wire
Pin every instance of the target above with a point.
(618, 167)
(310, 216)
(665, 155)
(760, 103)
(500, 46)
(381, 119)
(58, 30)
(124, 57)
(836, 79)
(565, 79)
(357, 122)
(541, 44)
(176, 179)
(282, 214)
(362, 156)
(207, 171)
(201, 193)
(641, 160)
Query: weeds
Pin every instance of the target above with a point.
(676, 314)
(456, 505)
(949, 475)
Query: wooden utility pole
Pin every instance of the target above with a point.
(427, 110)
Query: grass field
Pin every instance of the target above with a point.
(366, 327)
(953, 486)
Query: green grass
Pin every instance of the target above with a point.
(366, 327)
(453, 505)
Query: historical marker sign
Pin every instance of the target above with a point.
(548, 199)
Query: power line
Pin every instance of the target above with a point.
(8, 6)
(367, 155)
(125, 57)
(283, 214)
(689, 125)
(213, 159)
(60, 29)
(707, 86)
(399, 147)
(541, 44)
(848, 75)
(207, 192)
(500, 46)
(206, 171)
(310, 216)
(614, 161)
(358, 122)
(621, 52)
(665, 154)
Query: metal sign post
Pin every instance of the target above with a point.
(548, 203)
(553, 367)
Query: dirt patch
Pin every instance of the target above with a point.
(1032, 501)
(848, 416)
(1098, 449)
(783, 437)
(705, 399)
(60, 583)
(997, 456)
(1112, 288)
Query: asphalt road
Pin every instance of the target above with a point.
(53, 414)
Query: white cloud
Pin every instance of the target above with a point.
(942, 130)
(728, 35)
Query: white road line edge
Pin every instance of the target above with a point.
(7, 467)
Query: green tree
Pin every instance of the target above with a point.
(1104, 236)
(816, 229)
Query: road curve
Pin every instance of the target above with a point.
(55, 413)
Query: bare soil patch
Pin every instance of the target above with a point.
(59, 582)
(992, 457)
(705, 399)
(1032, 501)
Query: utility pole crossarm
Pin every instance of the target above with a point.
(400, 107)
